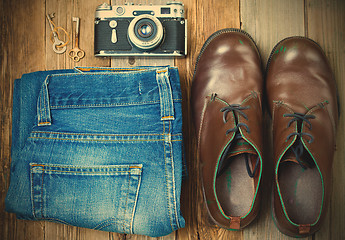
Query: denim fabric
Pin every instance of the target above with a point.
(99, 148)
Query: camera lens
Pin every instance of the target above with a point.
(145, 29)
(145, 32)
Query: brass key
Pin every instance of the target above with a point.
(76, 53)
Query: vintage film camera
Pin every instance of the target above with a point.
(140, 30)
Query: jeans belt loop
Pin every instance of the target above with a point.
(165, 94)
(43, 106)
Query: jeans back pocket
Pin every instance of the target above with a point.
(98, 197)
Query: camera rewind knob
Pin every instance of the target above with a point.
(104, 6)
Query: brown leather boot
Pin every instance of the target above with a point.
(227, 111)
(302, 99)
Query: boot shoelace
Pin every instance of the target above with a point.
(299, 148)
(239, 109)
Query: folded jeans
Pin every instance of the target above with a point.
(99, 148)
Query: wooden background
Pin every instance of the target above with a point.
(25, 47)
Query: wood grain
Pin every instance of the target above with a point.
(25, 47)
(189, 187)
(23, 51)
(64, 11)
(326, 25)
(201, 26)
(268, 22)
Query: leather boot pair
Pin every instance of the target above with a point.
(227, 108)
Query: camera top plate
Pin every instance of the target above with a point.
(169, 10)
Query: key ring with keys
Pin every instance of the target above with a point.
(59, 46)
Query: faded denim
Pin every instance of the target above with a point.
(99, 148)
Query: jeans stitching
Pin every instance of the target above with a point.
(105, 224)
(110, 104)
(33, 201)
(135, 203)
(169, 91)
(113, 220)
(111, 170)
(153, 69)
(32, 193)
(173, 178)
(162, 71)
(165, 95)
(98, 140)
(44, 174)
(72, 166)
(103, 105)
(88, 173)
(163, 99)
(42, 193)
(44, 104)
(43, 112)
(111, 69)
(161, 103)
(101, 226)
(166, 180)
(40, 108)
(44, 96)
(124, 215)
(95, 134)
(145, 69)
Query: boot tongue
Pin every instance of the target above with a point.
(239, 147)
(291, 157)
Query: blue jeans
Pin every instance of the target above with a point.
(99, 148)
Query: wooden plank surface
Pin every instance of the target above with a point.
(326, 25)
(25, 47)
(268, 22)
(64, 11)
(202, 23)
(27, 40)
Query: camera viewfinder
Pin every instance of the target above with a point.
(165, 10)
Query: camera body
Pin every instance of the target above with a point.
(140, 30)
